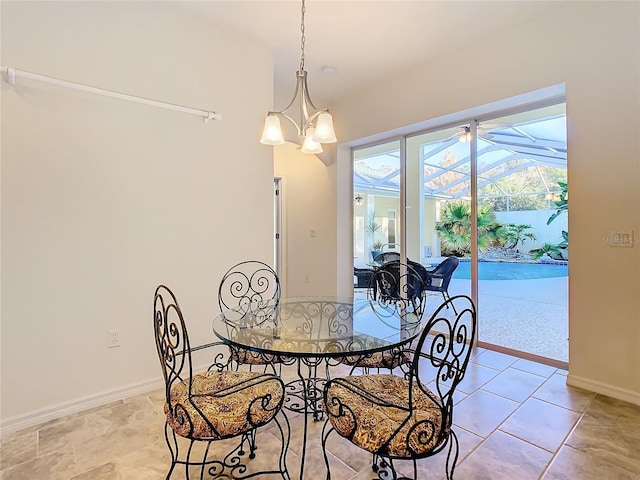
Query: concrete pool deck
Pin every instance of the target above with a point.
(531, 316)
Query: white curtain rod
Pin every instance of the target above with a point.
(9, 74)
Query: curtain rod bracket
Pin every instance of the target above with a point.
(212, 116)
(10, 75)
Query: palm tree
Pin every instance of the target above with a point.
(455, 228)
(510, 234)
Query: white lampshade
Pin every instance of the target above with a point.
(272, 133)
(324, 129)
(309, 145)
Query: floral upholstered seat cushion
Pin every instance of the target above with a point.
(386, 359)
(373, 412)
(223, 404)
(249, 357)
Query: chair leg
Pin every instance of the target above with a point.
(326, 431)
(452, 455)
(383, 467)
(285, 434)
(250, 439)
(172, 443)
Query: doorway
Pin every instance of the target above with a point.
(277, 226)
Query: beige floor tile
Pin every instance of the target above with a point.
(540, 423)
(534, 367)
(84, 428)
(572, 464)
(503, 457)
(496, 360)
(18, 448)
(514, 384)
(53, 466)
(610, 430)
(92, 452)
(482, 412)
(475, 377)
(107, 471)
(555, 390)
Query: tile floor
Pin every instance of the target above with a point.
(515, 419)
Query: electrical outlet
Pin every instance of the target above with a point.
(113, 338)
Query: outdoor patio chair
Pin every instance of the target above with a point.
(397, 417)
(214, 405)
(437, 280)
(385, 257)
(362, 277)
(398, 285)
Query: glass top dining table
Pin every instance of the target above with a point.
(316, 327)
(314, 331)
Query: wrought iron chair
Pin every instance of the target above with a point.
(250, 289)
(437, 280)
(407, 418)
(395, 289)
(214, 405)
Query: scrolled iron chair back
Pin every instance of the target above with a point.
(443, 351)
(399, 288)
(172, 340)
(249, 289)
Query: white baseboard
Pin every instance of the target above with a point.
(604, 389)
(36, 417)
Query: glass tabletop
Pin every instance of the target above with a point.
(316, 327)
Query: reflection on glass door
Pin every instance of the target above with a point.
(376, 190)
(438, 197)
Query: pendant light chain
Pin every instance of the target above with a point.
(302, 39)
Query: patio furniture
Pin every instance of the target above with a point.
(437, 280)
(212, 406)
(397, 417)
(362, 277)
(399, 285)
(385, 257)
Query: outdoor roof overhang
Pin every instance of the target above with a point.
(502, 151)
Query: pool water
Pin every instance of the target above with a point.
(511, 271)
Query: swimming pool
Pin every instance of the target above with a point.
(511, 271)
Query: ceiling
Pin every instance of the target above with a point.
(364, 39)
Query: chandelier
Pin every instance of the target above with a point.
(315, 125)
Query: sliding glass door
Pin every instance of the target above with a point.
(523, 272)
(485, 192)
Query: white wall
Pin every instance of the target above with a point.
(103, 199)
(309, 200)
(544, 233)
(593, 47)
